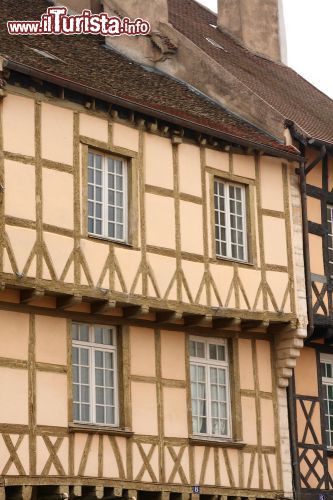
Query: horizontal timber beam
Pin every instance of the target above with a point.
(135, 311)
(148, 312)
(103, 306)
(27, 296)
(68, 301)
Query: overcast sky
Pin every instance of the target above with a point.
(309, 26)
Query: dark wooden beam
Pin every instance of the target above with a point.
(198, 320)
(102, 306)
(27, 296)
(68, 301)
(282, 327)
(168, 316)
(254, 325)
(135, 311)
(315, 162)
(226, 323)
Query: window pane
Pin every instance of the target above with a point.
(85, 413)
(230, 232)
(105, 383)
(99, 362)
(218, 396)
(220, 218)
(106, 191)
(198, 349)
(81, 386)
(100, 415)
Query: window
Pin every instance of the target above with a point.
(326, 365)
(330, 238)
(94, 358)
(107, 197)
(209, 370)
(230, 220)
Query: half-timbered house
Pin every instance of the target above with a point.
(261, 88)
(150, 253)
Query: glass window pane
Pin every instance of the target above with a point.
(75, 331)
(212, 351)
(99, 377)
(100, 415)
(119, 232)
(110, 415)
(100, 396)
(75, 355)
(99, 362)
(84, 373)
(85, 394)
(98, 162)
(98, 335)
(76, 411)
(85, 413)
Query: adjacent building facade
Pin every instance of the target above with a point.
(310, 393)
(152, 301)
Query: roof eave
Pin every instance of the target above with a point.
(141, 108)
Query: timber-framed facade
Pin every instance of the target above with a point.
(159, 290)
(308, 393)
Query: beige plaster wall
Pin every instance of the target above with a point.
(14, 335)
(160, 221)
(275, 241)
(125, 137)
(175, 412)
(14, 391)
(245, 364)
(142, 349)
(57, 134)
(244, 166)
(263, 349)
(249, 423)
(306, 373)
(316, 254)
(51, 340)
(58, 201)
(271, 184)
(20, 190)
(144, 408)
(217, 159)
(51, 399)
(93, 127)
(267, 422)
(18, 121)
(173, 355)
(314, 209)
(189, 170)
(158, 161)
(191, 227)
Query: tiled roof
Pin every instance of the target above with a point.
(85, 61)
(278, 85)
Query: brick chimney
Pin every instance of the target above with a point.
(258, 24)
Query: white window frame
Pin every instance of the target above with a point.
(327, 381)
(227, 226)
(330, 236)
(208, 363)
(92, 348)
(105, 204)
